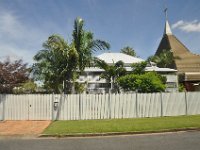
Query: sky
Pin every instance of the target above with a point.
(26, 24)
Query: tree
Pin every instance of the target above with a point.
(12, 75)
(56, 64)
(85, 44)
(79, 87)
(139, 68)
(129, 51)
(145, 83)
(164, 59)
(111, 72)
(27, 87)
(141, 81)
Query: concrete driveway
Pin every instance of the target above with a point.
(23, 127)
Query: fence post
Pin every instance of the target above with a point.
(52, 102)
(109, 105)
(79, 106)
(186, 104)
(4, 109)
(136, 105)
(161, 104)
(28, 105)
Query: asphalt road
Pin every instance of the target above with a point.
(164, 141)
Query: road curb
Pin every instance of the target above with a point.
(117, 133)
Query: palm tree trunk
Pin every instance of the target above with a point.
(68, 87)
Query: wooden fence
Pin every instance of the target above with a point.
(97, 106)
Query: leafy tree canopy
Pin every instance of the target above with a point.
(25, 88)
(145, 83)
(85, 44)
(111, 72)
(129, 51)
(141, 81)
(164, 59)
(56, 64)
(12, 75)
(139, 68)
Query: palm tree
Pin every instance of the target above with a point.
(59, 61)
(139, 68)
(85, 44)
(129, 51)
(164, 59)
(111, 72)
(56, 64)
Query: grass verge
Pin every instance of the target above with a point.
(139, 125)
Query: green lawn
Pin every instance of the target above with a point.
(122, 125)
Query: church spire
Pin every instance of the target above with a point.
(167, 26)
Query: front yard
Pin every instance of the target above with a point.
(139, 125)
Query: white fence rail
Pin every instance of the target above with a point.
(91, 106)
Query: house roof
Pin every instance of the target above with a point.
(111, 58)
(192, 76)
(157, 69)
(93, 69)
(152, 68)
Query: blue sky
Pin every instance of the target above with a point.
(26, 24)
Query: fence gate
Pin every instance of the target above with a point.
(40, 107)
(28, 107)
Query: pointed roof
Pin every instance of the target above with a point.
(167, 28)
(187, 62)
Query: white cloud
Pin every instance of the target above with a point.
(17, 39)
(12, 26)
(177, 24)
(192, 26)
(14, 52)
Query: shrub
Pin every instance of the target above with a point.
(145, 83)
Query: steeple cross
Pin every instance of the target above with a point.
(165, 10)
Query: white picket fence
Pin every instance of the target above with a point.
(99, 106)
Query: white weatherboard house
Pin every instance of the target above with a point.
(95, 84)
